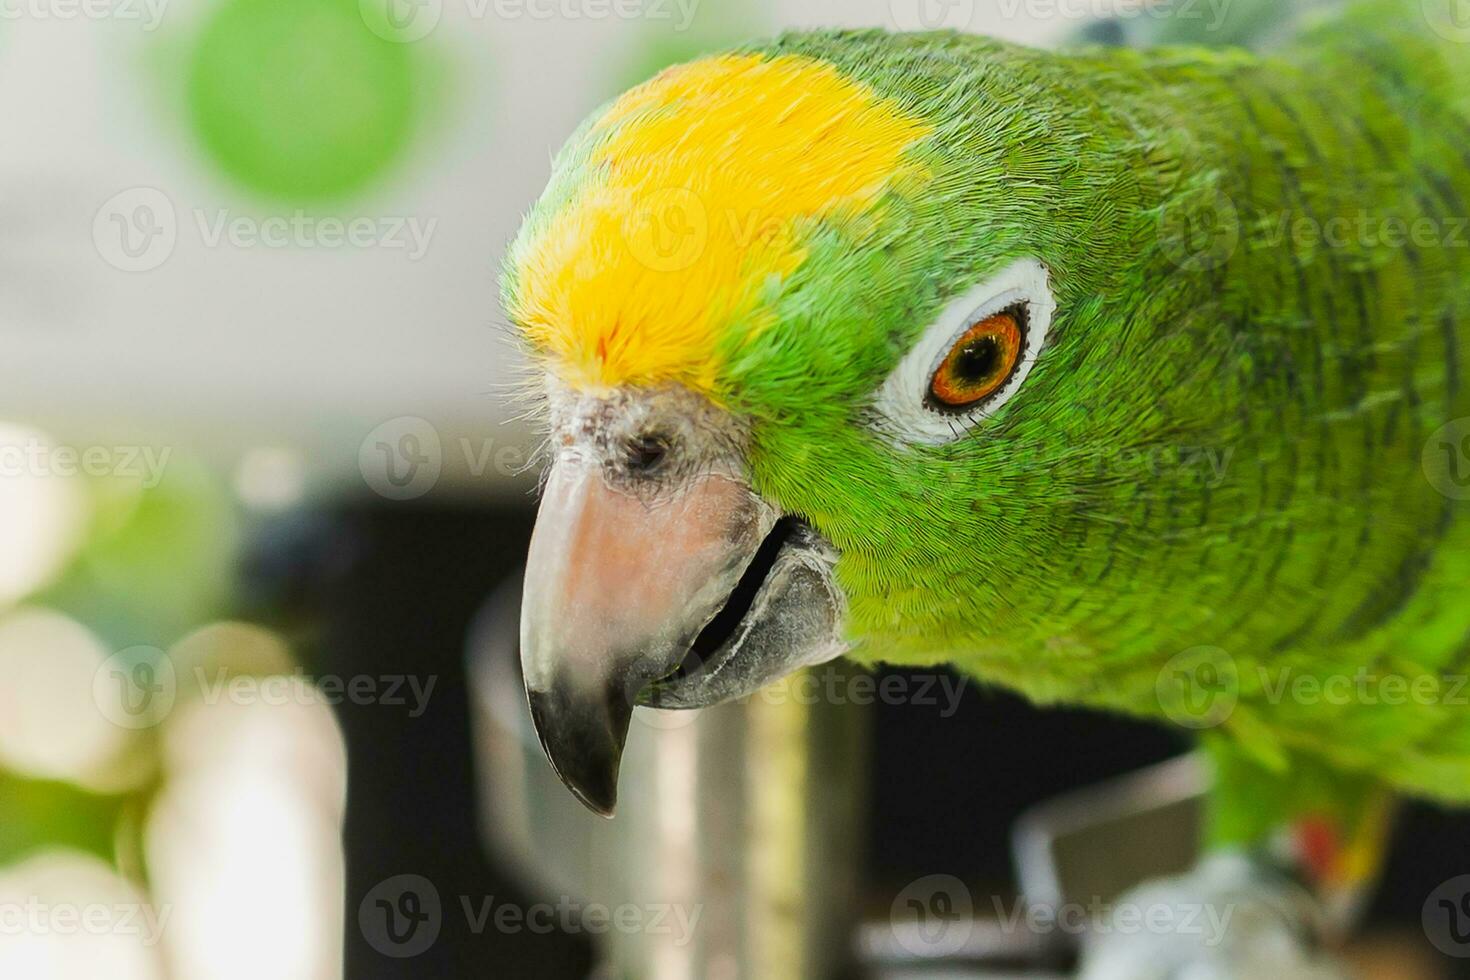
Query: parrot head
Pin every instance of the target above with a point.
(820, 327)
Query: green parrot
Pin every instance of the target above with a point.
(1118, 378)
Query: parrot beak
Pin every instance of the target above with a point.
(618, 586)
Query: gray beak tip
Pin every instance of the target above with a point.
(584, 748)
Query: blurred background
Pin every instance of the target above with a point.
(262, 505)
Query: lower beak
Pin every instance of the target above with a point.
(618, 586)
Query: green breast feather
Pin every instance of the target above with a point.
(1236, 438)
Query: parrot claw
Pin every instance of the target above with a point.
(1245, 923)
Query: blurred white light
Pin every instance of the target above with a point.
(209, 657)
(68, 916)
(50, 726)
(283, 729)
(245, 839)
(270, 479)
(42, 511)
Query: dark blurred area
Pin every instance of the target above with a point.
(945, 792)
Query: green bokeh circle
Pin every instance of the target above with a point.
(298, 99)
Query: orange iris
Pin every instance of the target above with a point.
(979, 363)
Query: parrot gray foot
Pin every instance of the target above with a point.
(1229, 919)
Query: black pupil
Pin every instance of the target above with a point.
(646, 452)
(978, 360)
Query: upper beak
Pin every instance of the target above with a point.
(617, 588)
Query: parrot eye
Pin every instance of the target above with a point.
(971, 360)
(645, 452)
(980, 362)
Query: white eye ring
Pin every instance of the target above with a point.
(906, 413)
